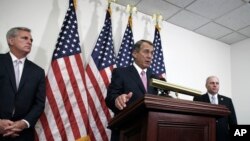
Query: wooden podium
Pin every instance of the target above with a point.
(156, 118)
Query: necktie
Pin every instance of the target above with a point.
(17, 71)
(213, 101)
(144, 79)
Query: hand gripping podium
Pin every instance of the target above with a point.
(157, 118)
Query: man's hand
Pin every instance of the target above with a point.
(4, 123)
(14, 129)
(120, 101)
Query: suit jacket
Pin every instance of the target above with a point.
(222, 124)
(125, 80)
(27, 101)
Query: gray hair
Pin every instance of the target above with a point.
(210, 77)
(14, 31)
(138, 44)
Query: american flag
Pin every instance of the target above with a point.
(124, 57)
(158, 65)
(65, 117)
(98, 77)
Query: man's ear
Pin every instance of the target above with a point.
(10, 41)
(134, 54)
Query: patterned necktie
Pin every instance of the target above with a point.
(17, 71)
(213, 101)
(144, 79)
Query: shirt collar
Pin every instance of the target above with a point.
(14, 58)
(215, 95)
(139, 70)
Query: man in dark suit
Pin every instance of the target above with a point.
(127, 84)
(22, 88)
(222, 124)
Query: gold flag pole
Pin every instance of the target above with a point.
(75, 4)
(130, 9)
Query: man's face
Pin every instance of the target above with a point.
(213, 85)
(144, 56)
(21, 44)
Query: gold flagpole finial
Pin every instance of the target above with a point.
(157, 18)
(109, 5)
(131, 9)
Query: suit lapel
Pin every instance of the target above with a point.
(10, 71)
(137, 78)
(25, 74)
(206, 98)
(221, 100)
(149, 77)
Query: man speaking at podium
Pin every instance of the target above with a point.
(222, 124)
(128, 84)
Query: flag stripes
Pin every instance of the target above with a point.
(71, 100)
(66, 114)
(98, 77)
(98, 87)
